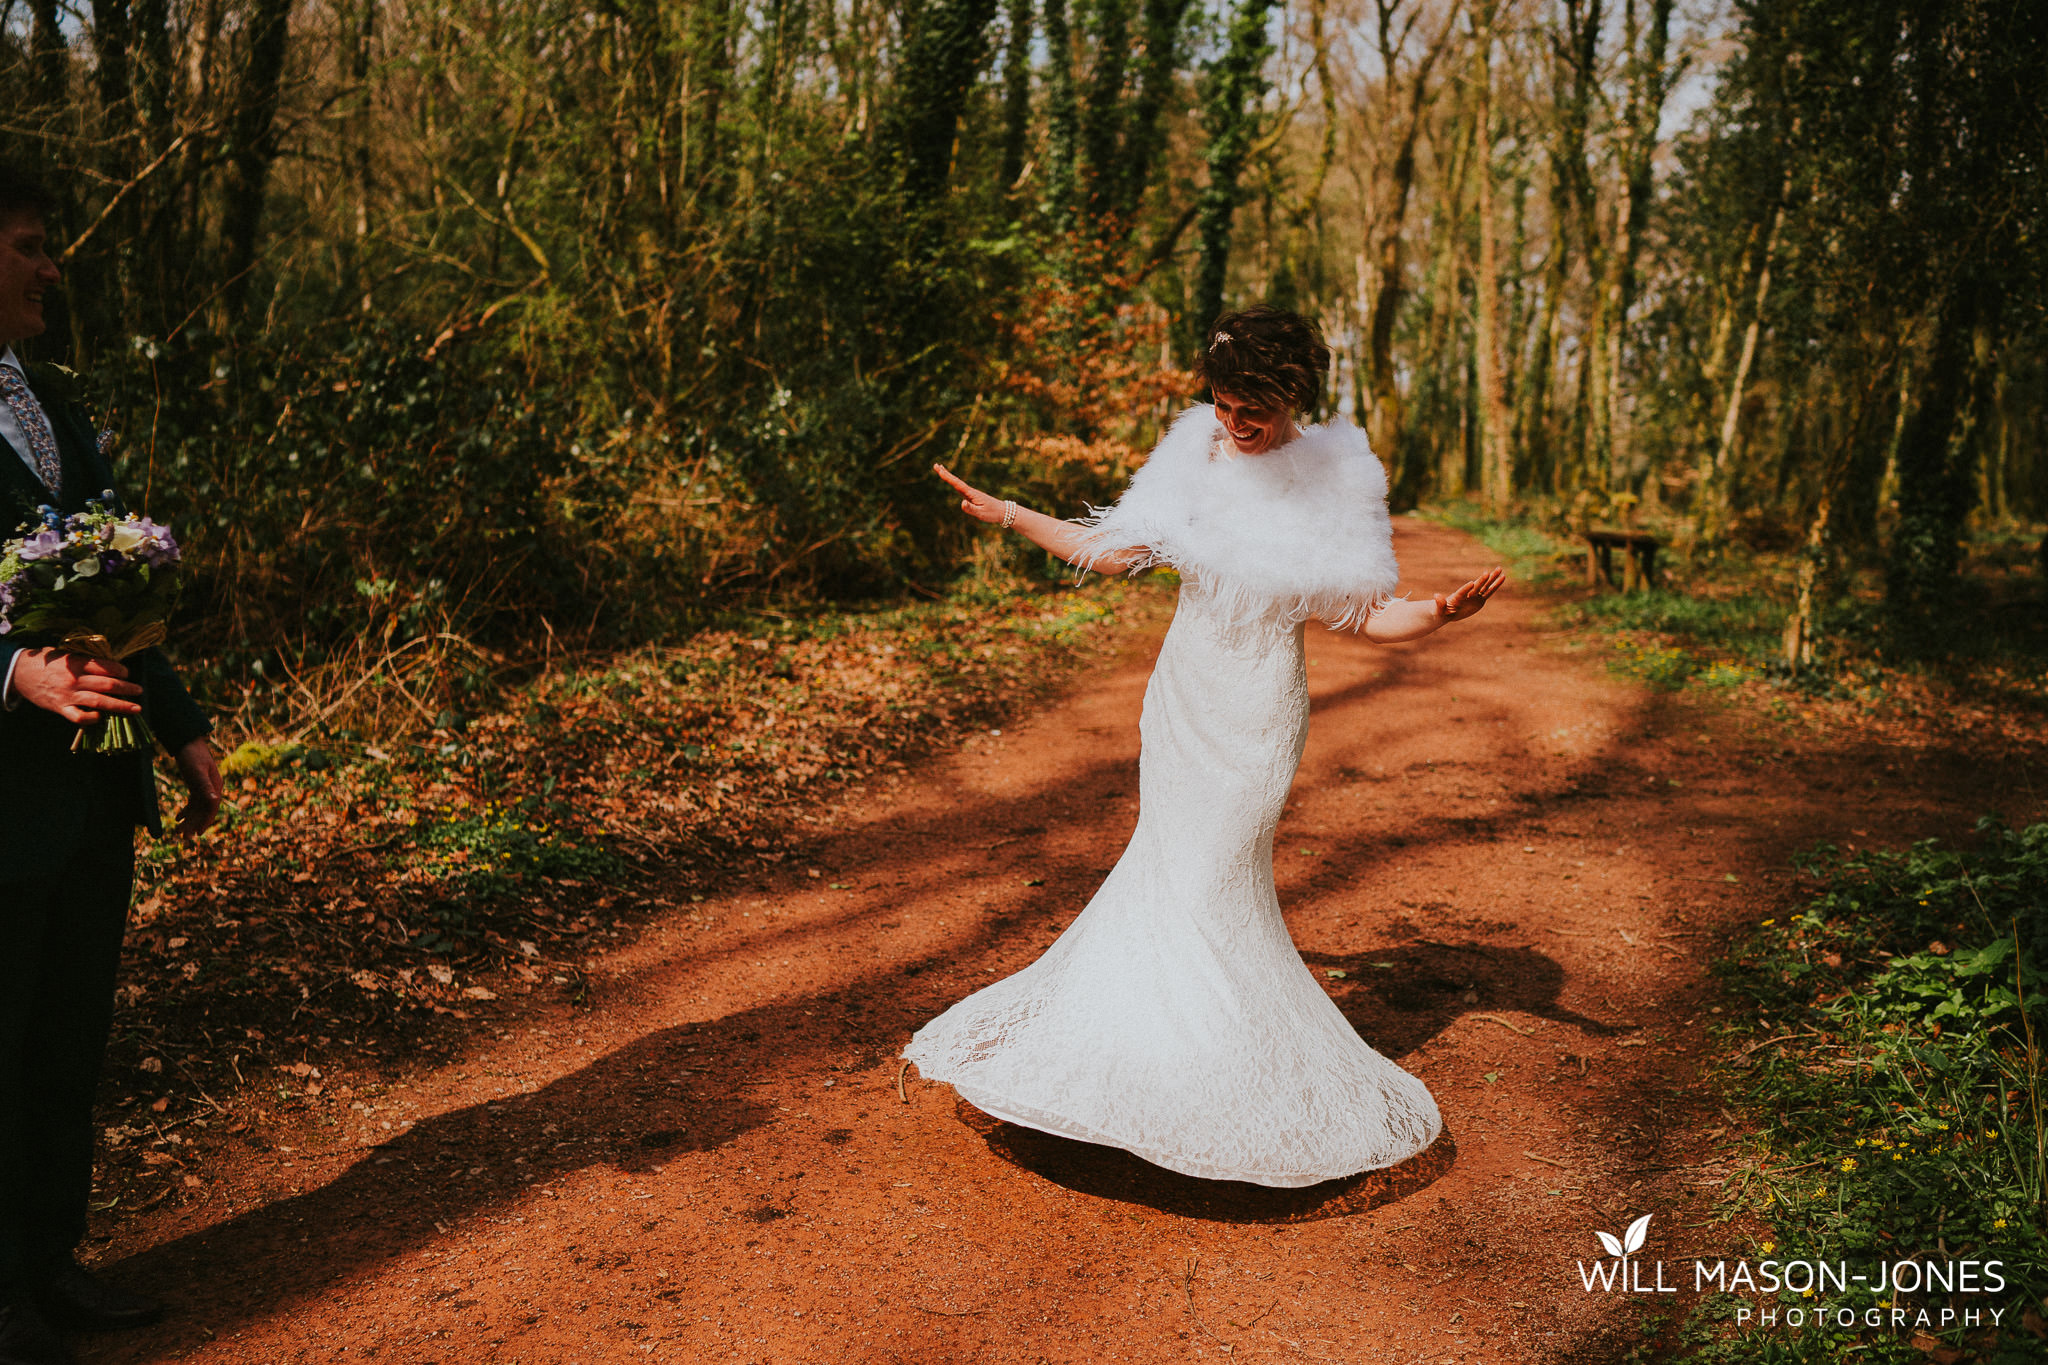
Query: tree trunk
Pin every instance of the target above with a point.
(1495, 413)
(155, 73)
(252, 147)
(1062, 120)
(1574, 84)
(1816, 564)
(360, 33)
(1102, 115)
(1229, 115)
(1534, 418)
(1016, 97)
(947, 44)
(49, 57)
(1649, 81)
(711, 60)
(1716, 478)
(1815, 575)
(112, 40)
(1384, 418)
(1935, 454)
(1146, 138)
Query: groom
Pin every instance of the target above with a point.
(67, 843)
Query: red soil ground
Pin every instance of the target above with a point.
(1508, 868)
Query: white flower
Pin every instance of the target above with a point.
(127, 536)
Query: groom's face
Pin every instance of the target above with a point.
(26, 270)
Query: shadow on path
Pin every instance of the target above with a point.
(1401, 997)
(1112, 1173)
(692, 1087)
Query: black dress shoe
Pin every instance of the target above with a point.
(72, 1299)
(26, 1337)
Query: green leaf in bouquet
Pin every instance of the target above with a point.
(37, 618)
(93, 593)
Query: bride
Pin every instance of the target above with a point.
(1174, 1018)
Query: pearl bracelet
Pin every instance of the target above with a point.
(1009, 514)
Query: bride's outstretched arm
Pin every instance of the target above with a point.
(1055, 537)
(1411, 620)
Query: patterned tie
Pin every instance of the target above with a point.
(42, 442)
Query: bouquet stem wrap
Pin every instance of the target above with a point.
(113, 734)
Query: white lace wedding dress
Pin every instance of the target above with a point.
(1174, 1018)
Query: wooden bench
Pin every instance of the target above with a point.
(1639, 562)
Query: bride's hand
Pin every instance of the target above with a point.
(973, 501)
(1466, 601)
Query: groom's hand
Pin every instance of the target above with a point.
(201, 774)
(79, 689)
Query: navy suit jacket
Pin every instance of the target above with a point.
(45, 789)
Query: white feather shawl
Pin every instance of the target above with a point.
(1302, 529)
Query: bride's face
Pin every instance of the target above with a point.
(1254, 429)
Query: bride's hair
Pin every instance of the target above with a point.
(1265, 355)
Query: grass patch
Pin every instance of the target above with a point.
(1531, 549)
(1717, 621)
(1746, 626)
(1673, 640)
(1894, 1068)
(1717, 636)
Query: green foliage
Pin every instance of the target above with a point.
(1747, 624)
(254, 757)
(489, 852)
(1532, 551)
(945, 44)
(579, 331)
(1670, 667)
(1868, 181)
(1672, 640)
(1898, 1058)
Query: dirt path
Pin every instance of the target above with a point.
(1507, 867)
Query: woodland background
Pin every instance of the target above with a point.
(545, 391)
(454, 332)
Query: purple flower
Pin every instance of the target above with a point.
(47, 543)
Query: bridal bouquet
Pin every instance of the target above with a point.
(97, 583)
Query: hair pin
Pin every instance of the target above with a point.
(1221, 337)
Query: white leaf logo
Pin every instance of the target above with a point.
(1632, 1240)
(1607, 1240)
